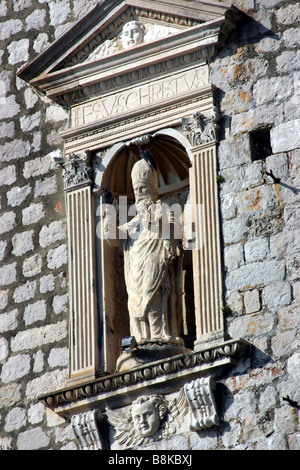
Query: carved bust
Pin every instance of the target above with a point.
(149, 418)
(147, 413)
(132, 34)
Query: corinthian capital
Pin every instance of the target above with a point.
(76, 169)
(201, 129)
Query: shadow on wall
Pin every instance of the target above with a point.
(223, 396)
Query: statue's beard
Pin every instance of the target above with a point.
(144, 205)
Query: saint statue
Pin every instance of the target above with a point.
(150, 272)
(152, 262)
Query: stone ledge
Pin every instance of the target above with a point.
(162, 376)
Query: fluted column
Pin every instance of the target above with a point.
(81, 258)
(202, 134)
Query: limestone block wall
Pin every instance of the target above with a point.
(33, 250)
(257, 76)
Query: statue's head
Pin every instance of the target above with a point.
(147, 413)
(132, 34)
(144, 181)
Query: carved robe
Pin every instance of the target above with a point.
(153, 282)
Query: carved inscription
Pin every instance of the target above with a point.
(138, 97)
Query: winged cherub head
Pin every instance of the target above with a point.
(147, 413)
(132, 34)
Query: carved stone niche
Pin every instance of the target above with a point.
(143, 127)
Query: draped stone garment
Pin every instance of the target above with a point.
(147, 262)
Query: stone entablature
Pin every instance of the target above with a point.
(119, 388)
(143, 97)
(182, 388)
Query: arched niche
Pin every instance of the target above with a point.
(171, 152)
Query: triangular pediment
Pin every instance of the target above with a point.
(128, 29)
(125, 32)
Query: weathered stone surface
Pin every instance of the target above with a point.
(7, 222)
(36, 337)
(17, 195)
(10, 27)
(4, 350)
(259, 273)
(60, 303)
(10, 395)
(8, 274)
(15, 419)
(35, 312)
(9, 321)
(18, 51)
(277, 295)
(32, 266)
(51, 233)
(15, 368)
(252, 301)
(45, 187)
(256, 250)
(47, 283)
(37, 167)
(58, 357)
(28, 123)
(25, 292)
(32, 214)
(46, 383)
(36, 413)
(22, 243)
(32, 439)
(3, 298)
(285, 136)
(8, 175)
(57, 257)
(252, 325)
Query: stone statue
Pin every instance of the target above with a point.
(152, 282)
(152, 262)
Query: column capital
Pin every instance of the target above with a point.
(76, 169)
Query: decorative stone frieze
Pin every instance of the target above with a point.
(151, 417)
(119, 388)
(200, 129)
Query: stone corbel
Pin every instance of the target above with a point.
(202, 406)
(85, 427)
(76, 169)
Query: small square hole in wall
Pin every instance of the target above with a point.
(260, 144)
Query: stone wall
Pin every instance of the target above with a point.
(33, 270)
(258, 82)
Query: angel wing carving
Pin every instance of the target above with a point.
(176, 412)
(125, 431)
